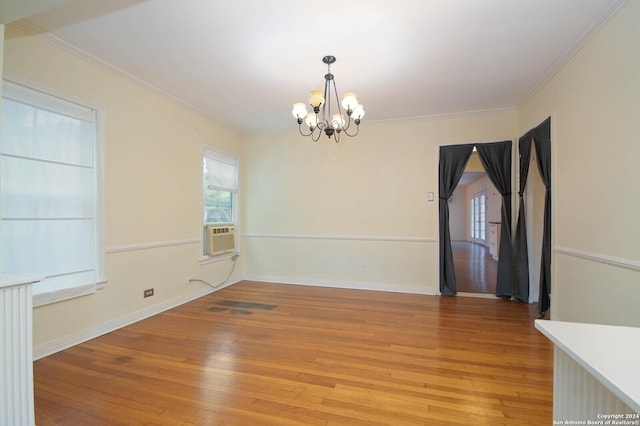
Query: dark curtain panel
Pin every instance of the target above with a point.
(520, 241)
(496, 159)
(453, 159)
(542, 141)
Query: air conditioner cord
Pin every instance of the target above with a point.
(233, 258)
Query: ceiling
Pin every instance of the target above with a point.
(470, 177)
(244, 63)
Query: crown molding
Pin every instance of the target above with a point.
(446, 115)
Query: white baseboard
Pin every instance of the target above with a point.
(65, 342)
(354, 285)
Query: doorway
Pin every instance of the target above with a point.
(495, 159)
(513, 274)
(474, 221)
(534, 148)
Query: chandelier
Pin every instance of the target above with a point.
(321, 119)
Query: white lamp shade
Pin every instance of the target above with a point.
(358, 112)
(349, 101)
(311, 120)
(337, 121)
(299, 110)
(316, 99)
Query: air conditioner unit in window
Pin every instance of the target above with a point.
(219, 239)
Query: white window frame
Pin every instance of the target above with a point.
(235, 206)
(478, 234)
(30, 92)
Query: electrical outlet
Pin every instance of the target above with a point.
(363, 267)
(188, 280)
(148, 292)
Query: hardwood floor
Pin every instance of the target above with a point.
(272, 354)
(476, 270)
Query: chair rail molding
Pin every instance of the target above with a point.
(618, 262)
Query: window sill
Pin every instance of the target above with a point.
(47, 298)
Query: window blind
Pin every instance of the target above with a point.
(48, 190)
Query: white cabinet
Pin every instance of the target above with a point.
(494, 239)
(595, 371)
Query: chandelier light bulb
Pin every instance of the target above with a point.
(299, 111)
(349, 101)
(358, 112)
(337, 122)
(316, 100)
(311, 121)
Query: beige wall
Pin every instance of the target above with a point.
(594, 104)
(152, 190)
(474, 164)
(13, 10)
(458, 213)
(315, 212)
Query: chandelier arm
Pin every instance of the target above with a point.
(353, 135)
(303, 134)
(327, 101)
(335, 91)
(322, 125)
(314, 138)
(348, 123)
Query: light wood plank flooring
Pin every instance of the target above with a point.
(273, 354)
(476, 270)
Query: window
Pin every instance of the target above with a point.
(49, 193)
(478, 217)
(220, 188)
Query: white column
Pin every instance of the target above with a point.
(16, 351)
